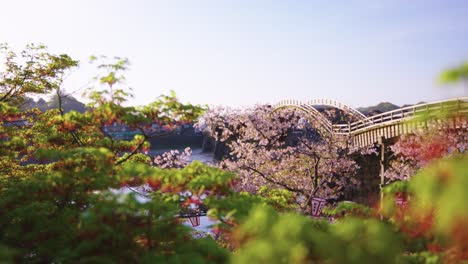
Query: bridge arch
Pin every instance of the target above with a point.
(324, 124)
(336, 104)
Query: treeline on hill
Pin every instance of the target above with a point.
(68, 104)
(71, 193)
(378, 109)
(71, 103)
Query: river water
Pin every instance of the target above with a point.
(197, 154)
(205, 157)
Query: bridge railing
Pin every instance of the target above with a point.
(460, 105)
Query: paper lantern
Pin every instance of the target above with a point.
(317, 206)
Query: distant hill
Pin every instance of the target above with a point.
(377, 109)
(68, 103)
(30, 103)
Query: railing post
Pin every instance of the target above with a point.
(427, 117)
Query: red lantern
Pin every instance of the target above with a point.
(317, 206)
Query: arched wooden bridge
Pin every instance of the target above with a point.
(369, 130)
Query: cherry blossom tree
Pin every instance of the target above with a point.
(173, 159)
(281, 149)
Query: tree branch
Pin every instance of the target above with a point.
(133, 152)
(273, 181)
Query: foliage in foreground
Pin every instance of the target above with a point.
(59, 173)
(432, 229)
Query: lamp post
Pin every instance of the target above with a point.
(195, 219)
(195, 210)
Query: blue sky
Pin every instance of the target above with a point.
(243, 52)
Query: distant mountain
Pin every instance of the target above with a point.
(68, 103)
(377, 109)
(29, 103)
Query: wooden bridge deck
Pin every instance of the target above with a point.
(368, 130)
